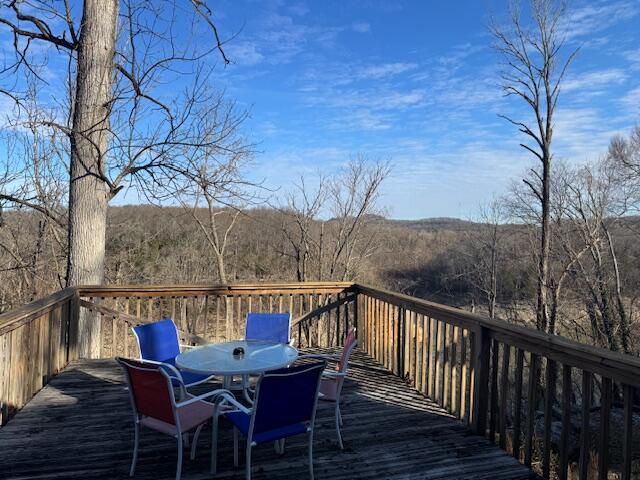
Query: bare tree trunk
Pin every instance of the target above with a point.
(222, 272)
(88, 193)
(624, 320)
(542, 312)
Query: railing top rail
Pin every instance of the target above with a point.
(203, 289)
(615, 365)
(19, 316)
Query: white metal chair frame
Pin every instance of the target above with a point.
(333, 374)
(225, 400)
(175, 406)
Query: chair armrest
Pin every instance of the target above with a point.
(172, 371)
(227, 397)
(318, 356)
(197, 398)
(333, 374)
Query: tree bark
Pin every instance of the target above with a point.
(88, 193)
(542, 312)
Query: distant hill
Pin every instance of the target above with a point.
(431, 224)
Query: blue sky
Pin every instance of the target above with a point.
(416, 82)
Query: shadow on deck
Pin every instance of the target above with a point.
(80, 427)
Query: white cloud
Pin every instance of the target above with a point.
(361, 27)
(598, 16)
(632, 101)
(385, 70)
(299, 9)
(594, 80)
(245, 53)
(633, 56)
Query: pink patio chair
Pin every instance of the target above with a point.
(154, 405)
(333, 380)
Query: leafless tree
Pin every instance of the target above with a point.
(122, 126)
(214, 187)
(300, 222)
(534, 70)
(336, 247)
(595, 204)
(484, 250)
(34, 184)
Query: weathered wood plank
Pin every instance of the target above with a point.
(49, 438)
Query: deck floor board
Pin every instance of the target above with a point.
(80, 426)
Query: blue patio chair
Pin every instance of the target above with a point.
(158, 342)
(285, 405)
(270, 327)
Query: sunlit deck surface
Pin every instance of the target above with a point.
(80, 427)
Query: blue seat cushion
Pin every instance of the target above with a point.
(241, 421)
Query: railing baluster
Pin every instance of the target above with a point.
(627, 440)
(517, 404)
(433, 357)
(454, 372)
(446, 384)
(549, 399)
(464, 371)
(493, 412)
(439, 362)
(566, 421)
(504, 394)
(585, 433)
(481, 355)
(419, 350)
(605, 413)
(425, 353)
(532, 398)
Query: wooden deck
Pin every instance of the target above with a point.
(80, 427)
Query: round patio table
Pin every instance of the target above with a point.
(219, 359)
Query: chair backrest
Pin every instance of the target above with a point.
(158, 341)
(271, 327)
(350, 342)
(150, 389)
(286, 397)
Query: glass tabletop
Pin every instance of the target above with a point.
(219, 358)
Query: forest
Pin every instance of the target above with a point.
(558, 251)
(336, 230)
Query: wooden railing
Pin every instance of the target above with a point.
(511, 384)
(36, 342)
(41, 338)
(321, 312)
(546, 400)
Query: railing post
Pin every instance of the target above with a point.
(356, 317)
(481, 358)
(72, 327)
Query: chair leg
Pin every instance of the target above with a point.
(136, 439)
(195, 441)
(338, 426)
(248, 460)
(179, 466)
(214, 444)
(311, 454)
(278, 446)
(339, 412)
(235, 447)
